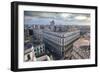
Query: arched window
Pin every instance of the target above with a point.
(28, 57)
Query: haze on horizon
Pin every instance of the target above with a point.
(60, 18)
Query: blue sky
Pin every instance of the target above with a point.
(60, 18)
(37, 20)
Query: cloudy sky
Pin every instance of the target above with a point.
(60, 18)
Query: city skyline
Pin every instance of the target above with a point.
(53, 36)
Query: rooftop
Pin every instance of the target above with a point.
(81, 42)
(27, 46)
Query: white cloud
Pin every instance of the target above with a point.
(81, 17)
(59, 18)
(65, 15)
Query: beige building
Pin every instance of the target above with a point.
(81, 49)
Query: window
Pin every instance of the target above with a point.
(41, 50)
(34, 50)
(28, 57)
(43, 46)
(37, 51)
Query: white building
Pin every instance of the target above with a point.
(39, 50)
(61, 38)
(40, 53)
(60, 41)
(29, 52)
(35, 53)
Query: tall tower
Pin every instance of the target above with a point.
(52, 23)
